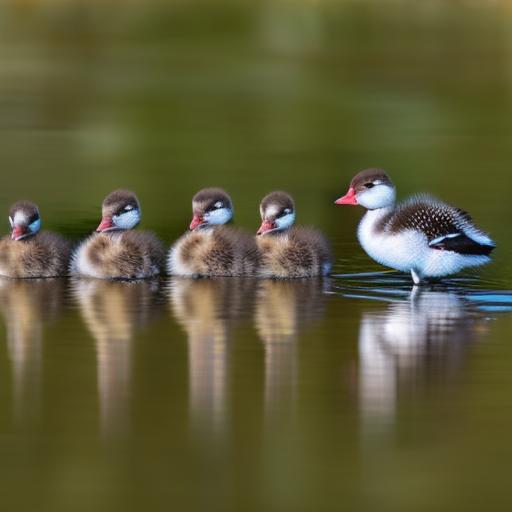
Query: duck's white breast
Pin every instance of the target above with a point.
(402, 251)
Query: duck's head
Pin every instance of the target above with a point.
(24, 219)
(277, 212)
(120, 210)
(211, 207)
(372, 189)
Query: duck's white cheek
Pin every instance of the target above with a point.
(286, 221)
(380, 196)
(220, 216)
(127, 220)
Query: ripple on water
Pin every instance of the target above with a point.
(476, 294)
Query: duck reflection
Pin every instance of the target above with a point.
(27, 306)
(282, 308)
(113, 311)
(208, 309)
(397, 347)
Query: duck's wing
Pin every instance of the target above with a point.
(445, 227)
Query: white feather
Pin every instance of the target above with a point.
(444, 237)
(219, 216)
(20, 218)
(285, 222)
(80, 264)
(127, 220)
(380, 196)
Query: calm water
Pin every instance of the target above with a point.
(353, 393)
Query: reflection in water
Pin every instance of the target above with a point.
(207, 309)
(26, 306)
(283, 307)
(112, 311)
(398, 345)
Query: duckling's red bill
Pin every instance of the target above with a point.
(348, 198)
(197, 220)
(267, 225)
(106, 223)
(17, 232)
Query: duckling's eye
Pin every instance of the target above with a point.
(128, 207)
(284, 212)
(218, 205)
(369, 185)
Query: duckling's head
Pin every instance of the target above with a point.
(24, 219)
(277, 212)
(120, 210)
(211, 207)
(372, 189)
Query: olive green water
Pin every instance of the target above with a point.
(356, 393)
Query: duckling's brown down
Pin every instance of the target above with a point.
(44, 254)
(217, 251)
(120, 255)
(294, 253)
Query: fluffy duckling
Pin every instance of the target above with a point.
(287, 251)
(210, 248)
(116, 252)
(28, 252)
(423, 236)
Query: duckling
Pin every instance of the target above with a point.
(28, 252)
(116, 252)
(210, 248)
(287, 251)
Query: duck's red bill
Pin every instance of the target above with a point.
(348, 198)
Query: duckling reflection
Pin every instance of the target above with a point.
(113, 311)
(208, 309)
(27, 306)
(282, 308)
(397, 347)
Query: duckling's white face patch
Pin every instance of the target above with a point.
(35, 226)
(20, 219)
(218, 216)
(128, 219)
(271, 211)
(286, 221)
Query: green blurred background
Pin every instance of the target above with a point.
(98, 406)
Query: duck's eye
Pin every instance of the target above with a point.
(218, 205)
(128, 207)
(369, 185)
